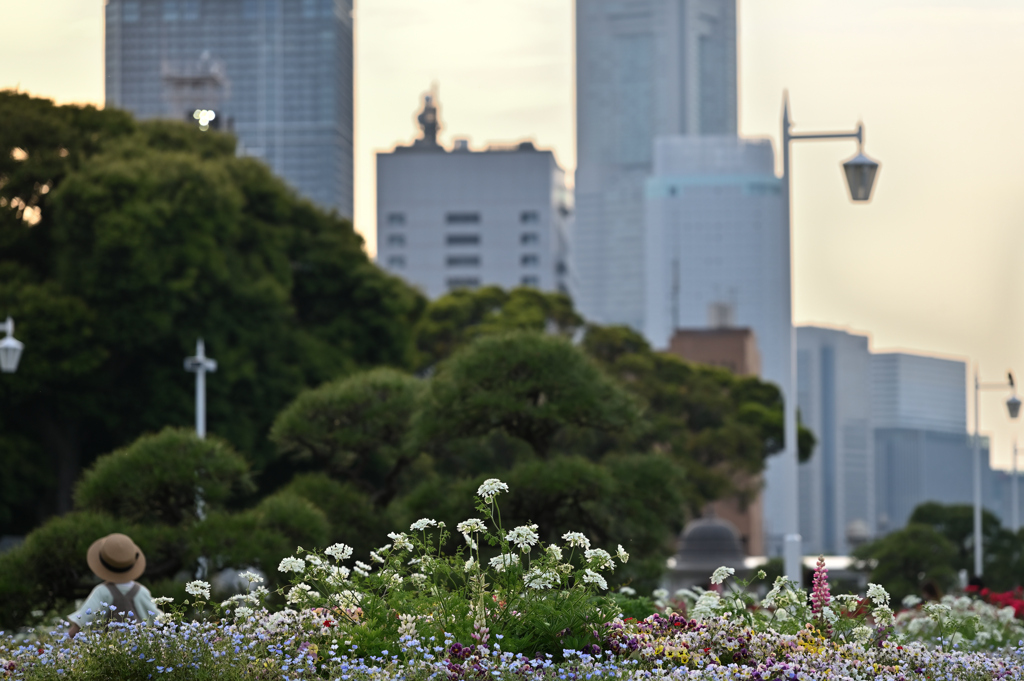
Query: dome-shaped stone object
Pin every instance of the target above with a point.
(705, 545)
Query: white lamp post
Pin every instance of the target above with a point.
(10, 348)
(1013, 407)
(200, 365)
(860, 172)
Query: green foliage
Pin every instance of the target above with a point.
(155, 479)
(909, 558)
(526, 385)
(354, 428)
(719, 427)
(351, 514)
(293, 517)
(121, 243)
(455, 319)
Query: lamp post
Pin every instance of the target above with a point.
(1016, 505)
(860, 172)
(200, 365)
(10, 348)
(1013, 407)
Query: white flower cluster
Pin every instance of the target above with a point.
(362, 569)
(292, 564)
(555, 551)
(198, 588)
(882, 613)
(524, 537)
(471, 525)
(251, 577)
(340, 552)
(622, 555)
(707, 605)
(162, 600)
(721, 574)
(591, 577)
(491, 488)
(599, 559)
(299, 593)
(576, 539)
(401, 541)
(422, 524)
(504, 561)
(540, 579)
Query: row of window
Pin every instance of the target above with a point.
(474, 282)
(526, 238)
(526, 217)
(526, 260)
(189, 10)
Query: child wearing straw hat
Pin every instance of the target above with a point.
(118, 562)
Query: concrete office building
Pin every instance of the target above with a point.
(277, 73)
(837, 485)
(644, 68)
(455, 218)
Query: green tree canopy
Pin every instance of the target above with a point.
(122, 242)
(721, 428)
(526, 385)
(454, 319)
(156, 478)
(909, 558)
(354, 428)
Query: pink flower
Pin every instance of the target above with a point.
(820, 594)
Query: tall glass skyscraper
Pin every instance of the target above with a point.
(277, 73)
(644, 68)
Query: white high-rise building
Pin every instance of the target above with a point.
(837, 485)
(449, 219)
(644, 68)
(716, 254)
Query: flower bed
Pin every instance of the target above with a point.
(529, 612)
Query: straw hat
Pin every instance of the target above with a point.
(115, 558)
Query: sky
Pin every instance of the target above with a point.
(931, 265)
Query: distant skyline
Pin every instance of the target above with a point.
(931, 265)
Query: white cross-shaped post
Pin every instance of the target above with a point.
(200, 365)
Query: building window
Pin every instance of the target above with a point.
(170, 10)
(561, 267)
(463, 239)
(396, 262)
(463, 261)
(396, 218)
(130, 11)
(462, 218)
(528, 217)
(190, 10)
(530, 281)
(396, 239)
(462, 282)
(309, 9)
(249, 9)
(529, 238)
(529, 260)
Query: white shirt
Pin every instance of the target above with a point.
(98, 603)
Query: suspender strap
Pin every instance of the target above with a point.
(123, 603)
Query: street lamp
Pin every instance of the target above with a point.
(200, 364)
(10, 348)
(860, 172)
(1013, 408)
